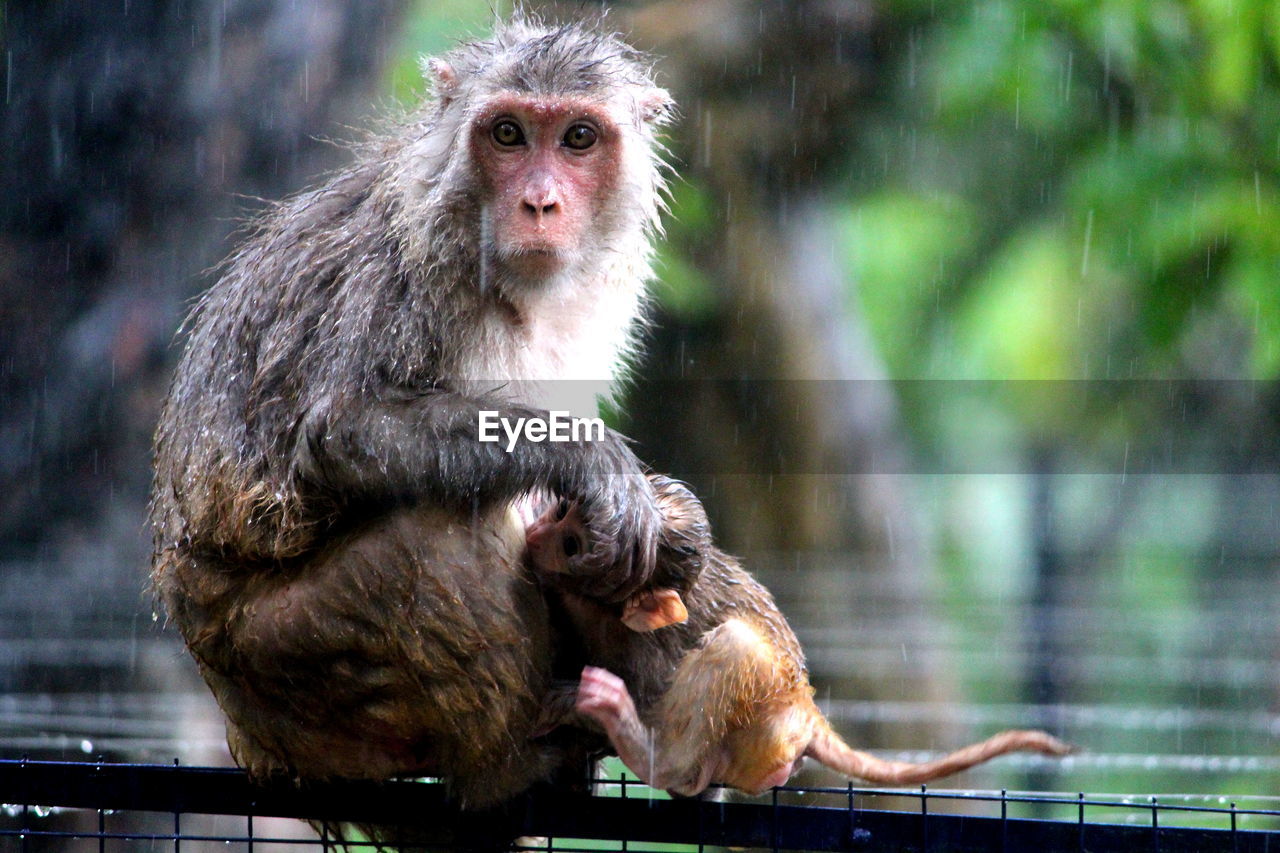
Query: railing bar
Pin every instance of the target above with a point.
(180, 790)
(622, 778)
(1080, 839)
(102, 817)
(26, 806)
(1155, 825)
(168, 836)
(1004, 821)
(177, 822)
(924, 817)
(992, 797)
(853, 821)
(1264, 836)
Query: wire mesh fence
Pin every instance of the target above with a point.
(132, 807)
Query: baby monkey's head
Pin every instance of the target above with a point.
(559, 534)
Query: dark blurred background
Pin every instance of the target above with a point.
(967, 332)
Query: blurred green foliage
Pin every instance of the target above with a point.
(431, 28)
(1075, 190)
(1079, 190)
(682, 288)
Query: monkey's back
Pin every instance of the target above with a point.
(725, 590)
(267, 341)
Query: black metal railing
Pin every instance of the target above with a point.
(101, 805)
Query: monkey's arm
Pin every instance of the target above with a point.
(407, 445)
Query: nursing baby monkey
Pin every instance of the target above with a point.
(721, 693)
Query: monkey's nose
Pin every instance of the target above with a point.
(540, 206)
(540, 198)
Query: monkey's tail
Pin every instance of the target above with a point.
(828, 748)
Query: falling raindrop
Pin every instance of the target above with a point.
(486, 246)
(1088, 237)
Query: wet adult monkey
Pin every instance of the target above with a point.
(340, 552)
(724, 695)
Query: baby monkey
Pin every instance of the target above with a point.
(721, 694)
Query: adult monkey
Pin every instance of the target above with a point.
(340, 553)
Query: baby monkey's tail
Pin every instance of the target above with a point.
(830, 750)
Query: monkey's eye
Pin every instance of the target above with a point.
(571, 546)
(580, 137)
(508, 133)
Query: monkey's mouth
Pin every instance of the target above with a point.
(535, 245)
(535, 249)
(537, 259)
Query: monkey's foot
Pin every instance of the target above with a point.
(603, 697)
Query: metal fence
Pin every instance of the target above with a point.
(128, 807)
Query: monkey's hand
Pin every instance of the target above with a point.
(557, 537)
(603, 697)
(621, 523)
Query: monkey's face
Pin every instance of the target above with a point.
(547, 168)
(555, 537)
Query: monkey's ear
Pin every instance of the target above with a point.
(656, 106)
(442, 75)
(653, 609)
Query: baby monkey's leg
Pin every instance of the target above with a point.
(603, 697)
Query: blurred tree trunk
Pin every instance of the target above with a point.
(130, 135)
(765, 87)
